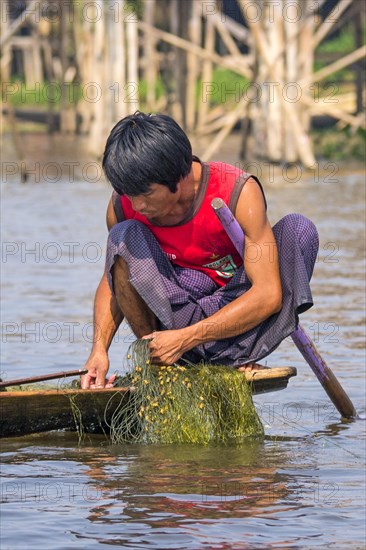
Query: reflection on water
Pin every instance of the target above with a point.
(300, 487)
(280, 491)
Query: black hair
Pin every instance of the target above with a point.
(143, 149)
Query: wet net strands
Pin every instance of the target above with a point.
(180, 404)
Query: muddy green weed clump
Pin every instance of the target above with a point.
(183, 404)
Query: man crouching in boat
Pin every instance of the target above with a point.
(171, 270)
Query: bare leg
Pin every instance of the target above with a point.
(139, 316)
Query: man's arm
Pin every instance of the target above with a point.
(107, 319)
(262, 300)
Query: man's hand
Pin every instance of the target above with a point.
(166, 346)
(97, 365)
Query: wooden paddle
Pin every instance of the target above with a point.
(42, 378)
(302, 341)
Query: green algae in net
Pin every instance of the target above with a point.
(183, 404)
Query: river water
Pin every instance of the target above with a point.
(302, 487)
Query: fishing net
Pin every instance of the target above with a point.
(182, 404)
(166, 404)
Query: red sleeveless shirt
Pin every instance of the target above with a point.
(200, 242)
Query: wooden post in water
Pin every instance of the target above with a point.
(117, 53)
(5, 63)
(97, 81)
(83, 37)
(207, 74)
(66, 111)
(194, 35)
(267, 41)
(150, 57)
(305, 56)
(292, 32)
(132, 88)
(359, 73)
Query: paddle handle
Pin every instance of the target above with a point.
(302, 341)
(325, 375)
(230, 224)
(42, 378)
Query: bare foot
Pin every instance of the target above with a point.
(250, 367)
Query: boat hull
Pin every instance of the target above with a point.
(26, 412)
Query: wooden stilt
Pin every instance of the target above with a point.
(360, 53)
(329, 22)
(301, 138)
(305, 60)
(291, 29)
(98, 130)
(194, 34)
(117, 45)
(132, 98)
(5, 77)
(150, 60)
(203, 104)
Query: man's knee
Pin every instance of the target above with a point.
(128, 230)
(306, 234)
(303, 229)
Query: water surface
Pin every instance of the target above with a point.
(302, 487)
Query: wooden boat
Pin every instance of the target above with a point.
(26, 412)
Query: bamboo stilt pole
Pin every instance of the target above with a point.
(132, 66)
(214, 126)
(200, 52)
(150, 56)
(118, 61)
(64, 43)
(235, 53)
(359, 80)
(300, 136)
(174, 90)
(184, 11)
(97, 130)
(336, 66)
(235, 29)
(247, 121)
(194, 34)
(291, 29)
(83, 37)
(306, 59)
(226, 37)
(234, 117)
(5, 78)
(203, 105)
(216, 113)
(274, 123)
(37, 61)
(111, 86)
(328, 23)
(331, 110)
(6, 53)
(26, 15)
(260, 111)
(47, 52)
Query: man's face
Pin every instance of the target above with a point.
(158, 201)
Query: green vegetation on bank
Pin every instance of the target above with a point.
(335, 48)
(339, 144)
